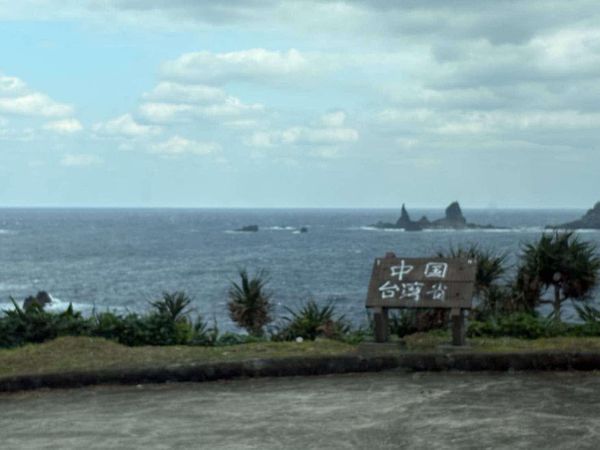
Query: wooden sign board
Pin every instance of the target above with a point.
(421, 283)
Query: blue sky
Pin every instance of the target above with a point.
(265, 103)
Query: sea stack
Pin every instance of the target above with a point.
(453, 218)
(406, 223)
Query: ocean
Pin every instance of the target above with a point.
(120, 259)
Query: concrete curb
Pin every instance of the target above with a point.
(203, 372)
(551, 360)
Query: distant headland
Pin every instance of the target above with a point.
(590, 220)
(453, 219)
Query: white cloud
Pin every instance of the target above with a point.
(16, 98)
(257, 64)
(125, 126)
(242, 123)
(11, 86)
(330, 133)
(168, 91)
(34, 104)
(161, 112)
(64, 126)
(80, 160)
(172, 102)
(334, 119)
(165, 112)
(177, 146)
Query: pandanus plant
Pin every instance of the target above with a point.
(249, 302)
(560, 263)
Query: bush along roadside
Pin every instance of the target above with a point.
(559, 267)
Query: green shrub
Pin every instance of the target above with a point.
(311, 321)
(32, 324)
(173, 307)
(520, 325)
(403, 323)
(168, 324)
(249, 302)
(560, 264)
(203, 334)
(354, 337)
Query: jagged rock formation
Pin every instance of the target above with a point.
(453, 219)
(590, 220)
(405, 222)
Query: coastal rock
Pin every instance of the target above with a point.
(41, 299)
(453, 219)
(590, 220)
(405, 222)
(249, 228)
(424, 222)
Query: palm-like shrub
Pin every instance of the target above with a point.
(560, 263)
(491, 268)
(249, 302)
(312, 320)
(173, 306)
(170, 324)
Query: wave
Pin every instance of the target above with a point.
(380, 230)
(486, 230)
(60, 305)
(238, 232)
(578, 230)
(57, 305)
(537, 229)
(279, 228)
(5, 231)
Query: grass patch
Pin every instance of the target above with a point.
(75, 354)
(431, 341)
(67, 354)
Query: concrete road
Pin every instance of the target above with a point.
(371, 411)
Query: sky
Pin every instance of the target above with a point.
(266, 103)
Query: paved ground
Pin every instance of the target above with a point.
(385, 410)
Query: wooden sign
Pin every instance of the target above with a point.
(421, 283)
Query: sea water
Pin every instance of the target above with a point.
(120, 259)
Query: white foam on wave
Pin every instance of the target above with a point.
(5, 231)
(278, 228)
(379, 230)
(57, 305)
(487, 230)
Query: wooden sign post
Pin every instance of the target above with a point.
(421, 283)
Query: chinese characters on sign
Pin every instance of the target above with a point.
(445, 283)
(413, 290)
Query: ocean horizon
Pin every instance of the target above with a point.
(121, 258)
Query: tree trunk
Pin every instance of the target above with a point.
(557, 302)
